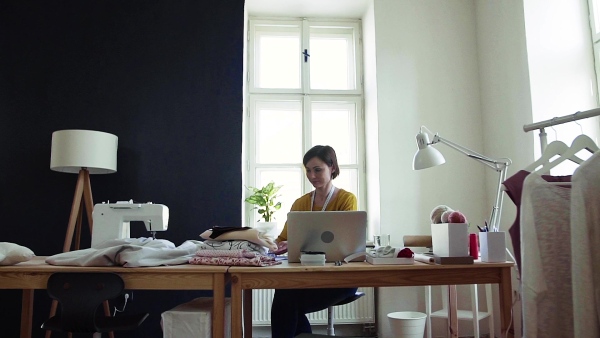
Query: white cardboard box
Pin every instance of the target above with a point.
(390, 261)
(193, 319)
(450, 239)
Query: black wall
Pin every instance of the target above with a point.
(164, 76)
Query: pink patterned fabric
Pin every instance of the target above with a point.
(259, 260)
(240, 253)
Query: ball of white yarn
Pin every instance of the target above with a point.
(445, 215)
(436, 213)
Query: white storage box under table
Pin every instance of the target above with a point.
(193, 319)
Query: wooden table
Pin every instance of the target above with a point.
(361, 274)
(34, 274)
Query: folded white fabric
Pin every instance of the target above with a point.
(130, 252)
(383, 252)
(11, 253)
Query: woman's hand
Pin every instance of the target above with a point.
(281, 248)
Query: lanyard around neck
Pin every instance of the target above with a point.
(312, 199)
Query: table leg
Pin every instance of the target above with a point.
(218, 311)
(247, 306)
(236, 306)
(505, 295)
(26, 313)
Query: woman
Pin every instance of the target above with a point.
(290, 306)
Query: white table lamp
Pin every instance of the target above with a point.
(82, 152)
(427, 156)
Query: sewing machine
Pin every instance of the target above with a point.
(111, 220)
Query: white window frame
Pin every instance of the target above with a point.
(594, 16)
(305, 70)
(306, 95)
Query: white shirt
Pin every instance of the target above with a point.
(546, 259)
(585, 244)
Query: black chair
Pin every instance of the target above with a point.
(330, 329)
(81, 296)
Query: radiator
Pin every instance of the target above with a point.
(358, 312)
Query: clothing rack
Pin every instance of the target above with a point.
(558, 120)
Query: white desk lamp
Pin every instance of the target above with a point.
(427, 156)
(82, 152)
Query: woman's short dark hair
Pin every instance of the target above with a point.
(325, 154)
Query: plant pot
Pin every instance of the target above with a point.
(270, 228)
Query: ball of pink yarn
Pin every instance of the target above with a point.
(457, 217)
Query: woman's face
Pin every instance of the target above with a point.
(318, 172)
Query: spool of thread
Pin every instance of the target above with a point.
(473, 247)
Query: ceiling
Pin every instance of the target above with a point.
(353, 9)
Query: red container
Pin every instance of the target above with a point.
(473, 246)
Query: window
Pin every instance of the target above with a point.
(594, 8)
(304, 88)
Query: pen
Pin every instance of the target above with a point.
(481, 229)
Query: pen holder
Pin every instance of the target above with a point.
(492, 246)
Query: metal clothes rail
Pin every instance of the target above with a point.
(559, 120)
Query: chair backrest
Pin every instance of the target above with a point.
(80, 295)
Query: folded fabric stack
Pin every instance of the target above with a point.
(232, 257)
(239, 234)
(382, 252)
(233, 245)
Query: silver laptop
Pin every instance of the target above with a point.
(338, 234)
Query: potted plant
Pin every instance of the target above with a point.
(264, 201)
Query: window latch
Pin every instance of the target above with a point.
(306, 55)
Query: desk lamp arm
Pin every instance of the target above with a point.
(499, 165)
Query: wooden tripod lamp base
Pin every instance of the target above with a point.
(82, 200)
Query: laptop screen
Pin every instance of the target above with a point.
(338, 234)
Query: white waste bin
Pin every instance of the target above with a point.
(407, 324)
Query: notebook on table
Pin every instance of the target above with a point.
(338, 234)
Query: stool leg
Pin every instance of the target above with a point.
(475, 309)
(428, 309)
(490, 308)
(330, 329)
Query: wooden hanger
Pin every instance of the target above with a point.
(580, 143)
(555, 148)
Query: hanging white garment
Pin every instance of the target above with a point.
(585, 244)
(546, 259)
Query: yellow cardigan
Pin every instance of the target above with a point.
(343, 201)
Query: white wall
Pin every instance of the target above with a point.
(371, 119)
(427, 74)
(505, 99)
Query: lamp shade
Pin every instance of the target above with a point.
(427, 156)
(75, 149)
